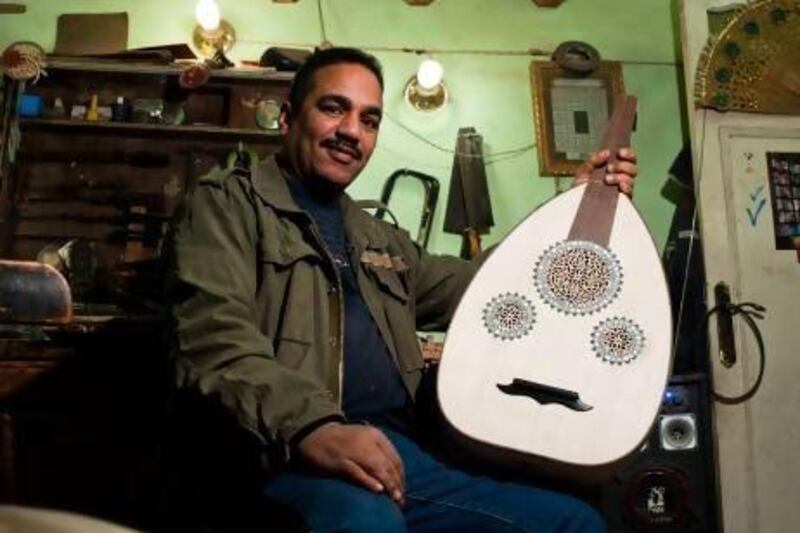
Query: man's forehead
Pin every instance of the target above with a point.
(348, 78)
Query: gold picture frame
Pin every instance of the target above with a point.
(571, 111)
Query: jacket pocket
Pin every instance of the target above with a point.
(390, 281)
(287, 295)
(285, 245)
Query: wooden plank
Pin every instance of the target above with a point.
(163, 130)
(12, 9)
(258, 74)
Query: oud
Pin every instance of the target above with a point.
(559, 351)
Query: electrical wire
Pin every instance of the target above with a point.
(692, 237)
(531, 52)
(460, 51)
(496, 156)
(322, 31)
(487, 162)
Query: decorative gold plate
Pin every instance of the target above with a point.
(754, 64)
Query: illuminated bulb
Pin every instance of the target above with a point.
(207, 14)
(429, 74)
(212, 36)
(426, 90)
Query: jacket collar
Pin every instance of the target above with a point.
(270, 185)
(363, 230)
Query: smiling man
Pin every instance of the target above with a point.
(297, 312)
(331, 132)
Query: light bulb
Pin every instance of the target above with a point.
(429, 74)
(207, 14)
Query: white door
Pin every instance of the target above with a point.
(747, 172)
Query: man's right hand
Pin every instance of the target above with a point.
(360, 453)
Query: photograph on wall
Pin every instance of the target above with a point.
(784, 184)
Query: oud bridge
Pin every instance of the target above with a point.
(545, 394)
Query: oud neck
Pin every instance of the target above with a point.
(595, 216)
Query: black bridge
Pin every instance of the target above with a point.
(545, 394)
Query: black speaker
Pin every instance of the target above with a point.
(670, 484)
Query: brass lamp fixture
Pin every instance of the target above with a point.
(212, 35)
(426, 91)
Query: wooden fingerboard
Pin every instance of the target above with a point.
(595, 215)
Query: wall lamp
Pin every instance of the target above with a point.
(426, 91)
(212, 35)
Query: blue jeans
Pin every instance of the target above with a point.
(438, 498)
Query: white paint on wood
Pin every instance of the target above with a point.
(557, 352)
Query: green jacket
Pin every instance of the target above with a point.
(258, 310)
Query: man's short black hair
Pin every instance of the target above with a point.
(304, 77)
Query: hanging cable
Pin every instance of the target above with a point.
(496, 156)
(322, 32)
(487, 162)
(692, 237)
(531, 52)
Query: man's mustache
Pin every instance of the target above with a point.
(343, 146)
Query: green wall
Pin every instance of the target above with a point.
(490, 91)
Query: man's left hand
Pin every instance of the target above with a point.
(622, 173)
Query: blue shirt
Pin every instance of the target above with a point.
(372, 383)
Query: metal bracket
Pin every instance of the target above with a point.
(431, 186)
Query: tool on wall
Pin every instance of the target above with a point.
(469, 210)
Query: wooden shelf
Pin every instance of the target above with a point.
(148, 130)
(172, 69)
